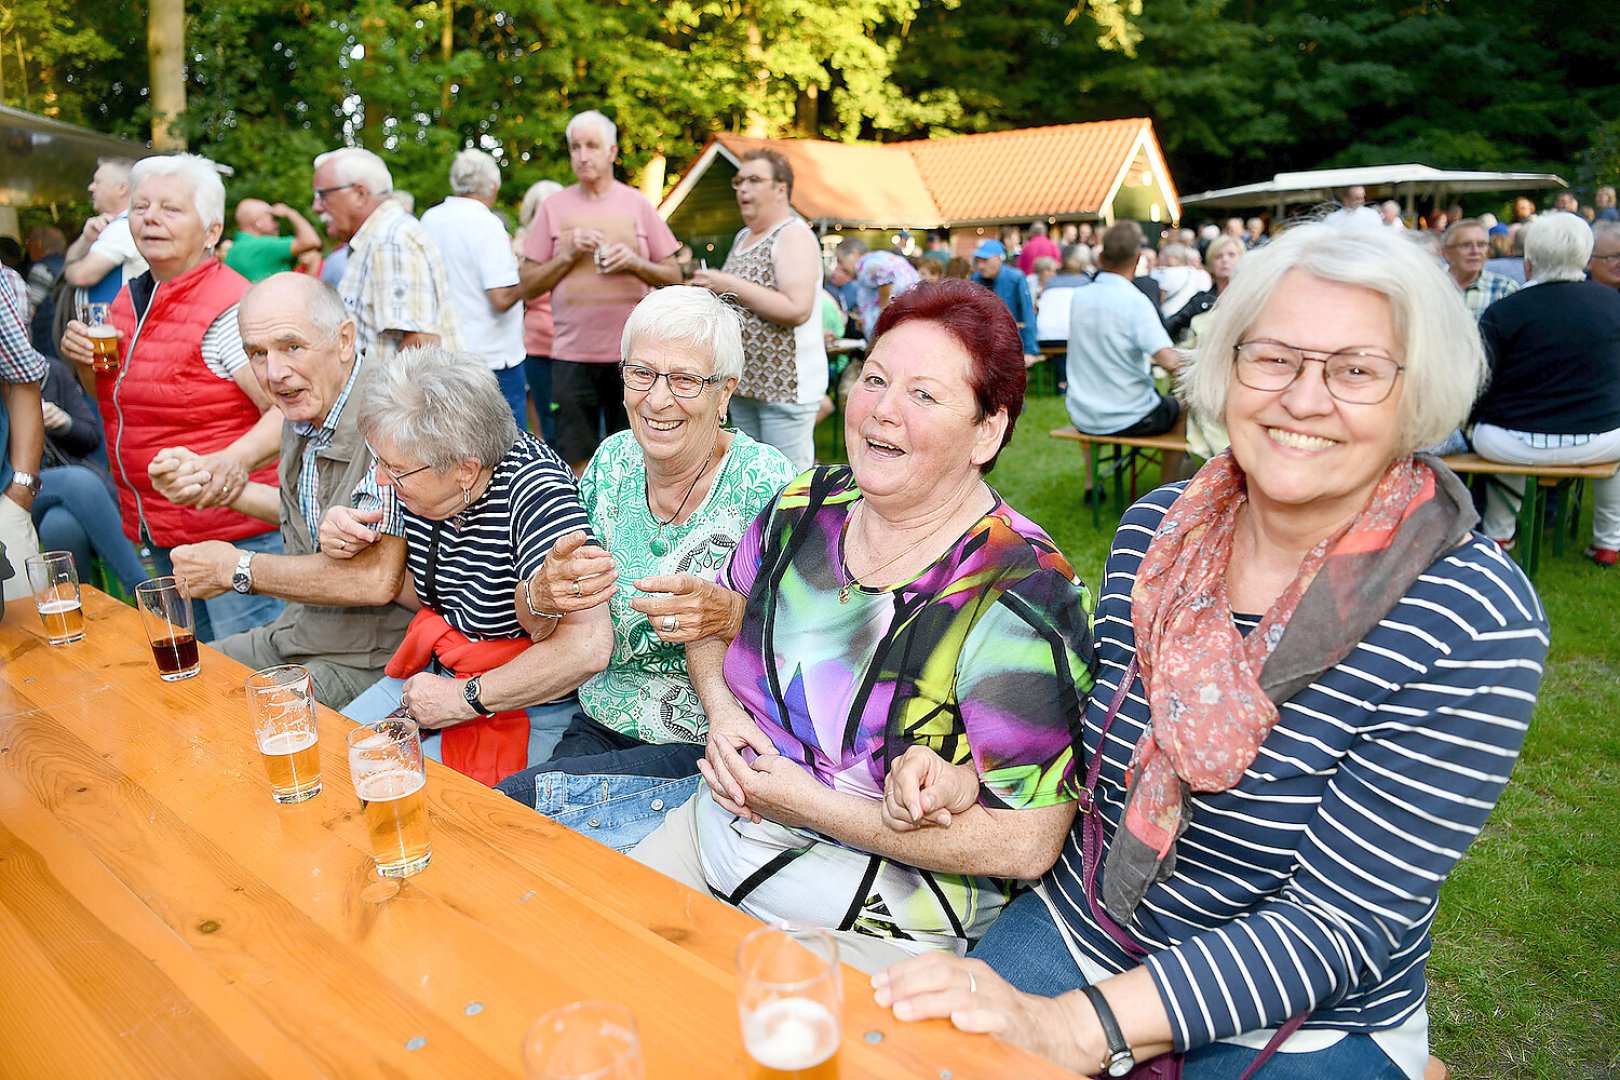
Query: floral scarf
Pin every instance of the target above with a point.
(1213, 694)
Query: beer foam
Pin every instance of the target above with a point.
(56, 607)
(791, 1033)
(101, 331)
(286, 742)
(389, 783)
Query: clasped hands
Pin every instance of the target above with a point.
(187, 478)
(577, 576)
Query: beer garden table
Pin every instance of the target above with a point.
(160, 915)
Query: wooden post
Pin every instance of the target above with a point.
(165, 50)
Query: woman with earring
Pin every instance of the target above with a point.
(668, 500)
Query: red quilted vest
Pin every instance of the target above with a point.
(164, 395)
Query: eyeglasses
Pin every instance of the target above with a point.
(1610, 259)
(322, 192)
(1353, 376)
(740, 182)
(682, 384)
(1471, 245)
(396, 477)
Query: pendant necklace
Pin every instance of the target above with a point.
(849, 581)
(658, 545)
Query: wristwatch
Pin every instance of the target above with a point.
(28, 480)
(242, 580)
(470, 692)
(1119, 1059)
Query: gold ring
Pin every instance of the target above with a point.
(576, 586)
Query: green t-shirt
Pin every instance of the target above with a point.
(257, 257)
(645, 691)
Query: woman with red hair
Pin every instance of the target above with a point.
(899, 616)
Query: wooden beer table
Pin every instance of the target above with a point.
(160, 915)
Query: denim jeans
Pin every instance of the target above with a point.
(230, 612)
(75, 512)
(1024, 947)
(612, 787)
(515, 389)
(546, 722)
(537, 372)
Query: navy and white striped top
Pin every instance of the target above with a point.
(531, 502)
(1312, 883)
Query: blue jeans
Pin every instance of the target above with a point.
(1024, 947)
(230, 612)
(75, 512)
(788, 427)
(546, 722)
(612, 787)
(537, 370)
(515, 389)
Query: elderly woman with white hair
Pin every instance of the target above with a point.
(483, 503)
(183, 383)
(1554, 397)
(669, 500)
(1315, 679)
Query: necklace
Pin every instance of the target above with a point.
(658, 545)
(850, 580)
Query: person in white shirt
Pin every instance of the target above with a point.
(103, 258)
(483, 273)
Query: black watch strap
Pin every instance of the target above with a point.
(1120, 1060)
(471, 692)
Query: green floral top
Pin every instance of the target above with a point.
(645, 690)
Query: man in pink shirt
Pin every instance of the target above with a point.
(599, 246)
(1037, 245)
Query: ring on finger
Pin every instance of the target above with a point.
(576, 586)
(671, 624)
(973, 983)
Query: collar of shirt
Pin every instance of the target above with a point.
(329, 425)
(374, 226)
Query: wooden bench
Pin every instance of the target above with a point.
(1121, 454)
(1533, 507)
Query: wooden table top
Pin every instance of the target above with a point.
(160, 915)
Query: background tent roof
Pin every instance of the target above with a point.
(1381, 182)
(48, 161)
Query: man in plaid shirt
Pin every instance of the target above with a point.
(22, 432)
(1465, 248)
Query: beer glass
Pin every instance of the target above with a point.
(385, 763)
(165, 607)
(103, 336)
(587, 1040)
(790, 1000)
(55, 581)
(282, 702)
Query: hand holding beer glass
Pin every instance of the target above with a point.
(97, 319)
(55, 581)
(587, 1040)
(790, 999)
(385, 763)
(165, 607)
(282, 702)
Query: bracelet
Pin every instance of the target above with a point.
(528, 600)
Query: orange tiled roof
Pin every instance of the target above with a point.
(1069, 169)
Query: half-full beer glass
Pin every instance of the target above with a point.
(587, 1040)
(282, 702)
(790, 1000)
(385, 762)
(55, 581)
(165, 606)
(97, 319)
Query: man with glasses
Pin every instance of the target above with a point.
(393, 281)
(1465, 248)
(340, 620)
(1604, 265)
(774, 272)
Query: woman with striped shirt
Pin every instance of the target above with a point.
(1315, 677)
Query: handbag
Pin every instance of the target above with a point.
(1165, 1066)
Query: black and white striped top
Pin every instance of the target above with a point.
(1311, 885)
(478, 556)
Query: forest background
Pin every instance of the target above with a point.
(1237, 89)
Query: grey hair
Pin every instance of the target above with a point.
(1557, 246)
(852, 245)
(1076, 258)
(1175, 252)
(319, 302)
(357, 165)
(207, 190)
(689, 314)
(474, 172)
(1600, 229)
(119, 165)
(1443, 355)
(591, 116)
(538, 192)
(439, 407)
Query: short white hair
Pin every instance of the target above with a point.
(590, 116)
(693, 316)
(474, 172)
(538, 192)
(1442, 353)
(357, 165)
(207, 190)
(1558, 246)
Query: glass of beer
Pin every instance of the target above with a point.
(385, 763)
(103, 336)
(282, 701)
(790, 999)
(587, 1040)
(165, 607)
(55, 581)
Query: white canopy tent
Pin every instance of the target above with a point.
(1406, 183)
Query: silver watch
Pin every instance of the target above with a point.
(27, 480)
(242, 580)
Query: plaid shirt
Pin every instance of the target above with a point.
(367, 495)
(1486, 290)
(394, 283)
(19, 362)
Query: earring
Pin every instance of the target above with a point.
(466, 496)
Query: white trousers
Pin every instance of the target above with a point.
(1514, 447)
(17, 533)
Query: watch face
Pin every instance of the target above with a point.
(1121, 1064)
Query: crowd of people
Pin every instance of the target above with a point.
(556, 498)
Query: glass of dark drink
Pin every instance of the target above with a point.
(165, 607)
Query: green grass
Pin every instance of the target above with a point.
(1525, 977)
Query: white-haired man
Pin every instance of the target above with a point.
(1466, 248)
(103, 258)
(483, 273)
(599, 246)
(393, 282)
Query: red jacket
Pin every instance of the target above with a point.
(164, 395)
